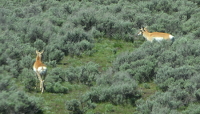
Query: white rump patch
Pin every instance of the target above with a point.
(171, 37)
(41, 70)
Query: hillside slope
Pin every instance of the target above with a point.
(96, 63)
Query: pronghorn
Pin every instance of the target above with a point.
(40, 69)
(158, 36)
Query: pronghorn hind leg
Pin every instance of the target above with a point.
(41, 82)
(36, 81)
(42, 86)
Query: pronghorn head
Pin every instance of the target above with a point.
(142, 30)
(39, 54)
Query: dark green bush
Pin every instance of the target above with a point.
(182, 91)
(168, 75)
(33, 33)
(53, 53)
(86, 17)
(56, 78)
(96, 33)
(89, 73)
(29, 79)
(196, 81)
(26, 61)
(117, 89)
(19, 102)
(85, 74)
(19, 12)
(72, 74)
(160, 102)
(196, 1)
(169, 24)
(74, 106)
(39, 44)
(55, 87)
(194, 86)
(14, 100)
(170, 57)
(54, 81)
(12, 67)
(33, 10)
(5, 82)
(32, 29)
(75, 42)
(192, 109)
(151, 107)
(142, 70)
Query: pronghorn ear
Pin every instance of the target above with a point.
(36, 51)
(143, 28)
(42, 51)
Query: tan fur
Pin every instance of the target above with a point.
(40, 69)
(155, 35)
(38, 61)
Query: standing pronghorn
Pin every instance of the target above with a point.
(40, 69)
(158, 36)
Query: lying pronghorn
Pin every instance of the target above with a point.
(158, 36)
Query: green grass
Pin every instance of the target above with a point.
(54, 103)
(147, 89)
(108, 108)
(104, 53)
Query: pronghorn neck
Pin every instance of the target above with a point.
(146, 34)
(38, 58)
